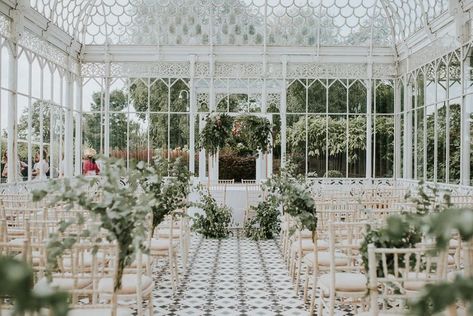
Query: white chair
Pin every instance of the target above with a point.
(345, 279)
(398, 275)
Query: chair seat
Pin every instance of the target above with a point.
(453, 274)
(344, 282)
(413, 285)
(64, 283)
(308, 245)
(166, 233)
(306, 234)
(17, 242)
(161, 244)
(324, 259)
(144, 260)
(85, 260)
(86, 311)
(454, 243)
(129, 285)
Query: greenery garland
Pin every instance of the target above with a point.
(121, 213)
(167, 194)
(255, 132)
(215, 134)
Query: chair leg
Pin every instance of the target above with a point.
(306, 282)
(298, 272)
(313, 297)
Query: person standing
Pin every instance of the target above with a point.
(90, 166)
(41, 166)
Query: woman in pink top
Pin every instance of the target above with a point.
(89, 166)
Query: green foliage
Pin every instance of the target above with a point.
(398, 233)
(293, 193)
(216, 220)
(334, 174)
(16, 282)
(255, 131)
(435, 298)
(429, 199)
(266, 223)
(120, 212)
(165, 194)
(217, 131)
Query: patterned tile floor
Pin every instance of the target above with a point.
(235, 276)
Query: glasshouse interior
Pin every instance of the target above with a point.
(236, 157)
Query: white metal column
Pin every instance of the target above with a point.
(283, 111)
(397, 129)
(369, 129)
(192, 115)
(68, 128)
(106, 129)
(12, 126)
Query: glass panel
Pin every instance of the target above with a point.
(24, 74)
(92, 131)
(92, 96)
(441, 141)
(357, 146)
(430, 146)
(468, 72)
(179, 137)
(384, 146)
(158, 135)
(385, 97)
(430, 87)
(337, 96)
(357, 97)
(118, 134)
(36, 79)
(158, 96)
(337, 146)
(317, 145)
(296, 141)
(296, 97)
(180, 96)
(419, 148)
(442, 82)
(317, 93)
(454, 77)
(138, 138)
(276, 143)
(455, 141)
(273, 102)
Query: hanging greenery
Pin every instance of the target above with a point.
(255, 131)
(266, 223)
(252, 132)
(168, 185)
(120, 211)
(215, 222)
(215, 134)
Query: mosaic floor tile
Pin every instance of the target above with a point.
(236, 276)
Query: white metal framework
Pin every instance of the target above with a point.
(131, 76)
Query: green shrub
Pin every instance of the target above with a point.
(334, 174)
(265, 224)
(216, 220)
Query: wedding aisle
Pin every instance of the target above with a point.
(235, 276)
